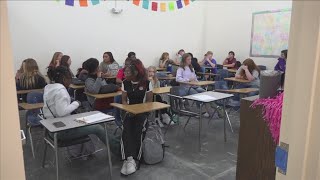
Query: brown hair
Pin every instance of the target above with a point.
(54, 58)
(64, 61)
(209, 52)
(164, 55)
(183, 62)
(28, 78)
(155, 79)
(251, 67)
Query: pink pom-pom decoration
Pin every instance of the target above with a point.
(271, 111)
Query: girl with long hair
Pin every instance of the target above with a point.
(31, 78)
(66, 62)
(109, 66)
(55, 62)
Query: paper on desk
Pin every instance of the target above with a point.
(203, 97)
(94, 118)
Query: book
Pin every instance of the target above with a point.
(94, 118)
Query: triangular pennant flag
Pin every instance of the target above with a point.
(154, 6)
(136, 2)
(83, 3)
(163, 7)
(69, 2)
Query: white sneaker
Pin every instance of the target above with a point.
(166, 119)
(206, 115)
(124, 168)
(131, 165)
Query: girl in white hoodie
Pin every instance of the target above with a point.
(57, 103)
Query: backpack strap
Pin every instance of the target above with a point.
(50, 110)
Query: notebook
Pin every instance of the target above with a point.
(94, 118)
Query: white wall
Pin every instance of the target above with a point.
(39, 28)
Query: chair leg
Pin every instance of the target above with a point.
(186, 123)
(44, 153)
(31, 142)
(227, 116)
(214, 112)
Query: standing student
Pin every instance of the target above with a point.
(185, 73)
(66, 62)
(136, 89)
(156, 84)
(109, 66)
(179, 55)
(55, 62)
(281, 65)
(230, 61)
(57, 103)
(209, 61)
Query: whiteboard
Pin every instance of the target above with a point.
(270, 33)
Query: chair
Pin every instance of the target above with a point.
(222, 73)
(177, 104)
(32, 119)
(219, 66)
(262, 68)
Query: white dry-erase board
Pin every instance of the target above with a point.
(270, 33)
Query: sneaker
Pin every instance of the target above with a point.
(124, 168)
(166, 119)
(206, 115)
(131, 165)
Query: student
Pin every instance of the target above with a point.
(195, 64)
(165, 61)
(109, 66)
(156, 84)
(209, 61)
(55, 62)
(185, 73)
(230, 61)
(31, 78)
(132, 55)
(94, 81)
(121, 75)
(82, 73)
(66, 62)
(136, 89)
(20, 71)
(179, 55)
(248, 71)
(281, 65)
(57, 103)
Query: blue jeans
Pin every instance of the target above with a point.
(244, 85)
(118, 99)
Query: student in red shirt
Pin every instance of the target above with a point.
(230, 61)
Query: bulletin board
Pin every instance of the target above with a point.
(270, 33)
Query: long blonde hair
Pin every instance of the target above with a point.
(155, 79)
(29, 77)
(164, 55)
(54, 59)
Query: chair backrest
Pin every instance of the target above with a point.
(32, 115)
(222, 73)
(238, 64)
(262, 67)
(35, 97)
(219, 66)
(175, 98)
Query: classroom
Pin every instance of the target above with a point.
(159, 90)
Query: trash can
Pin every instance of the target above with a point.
(270, 82)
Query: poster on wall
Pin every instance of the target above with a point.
(270, 33)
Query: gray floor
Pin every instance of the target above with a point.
(216, 161)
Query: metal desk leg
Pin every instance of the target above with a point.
(224, 122)
(56, 154)
(108, 150)
(200, 126)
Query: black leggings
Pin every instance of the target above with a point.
(134, 127)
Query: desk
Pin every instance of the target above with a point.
(27, 106)
(232, 70)
(167, 78)
(164, 72)
(198, 83)
(217, 96)
(103, 96)
(161, 90)
(238, 91)
(71, 124)
(161, 69)
(75, 89)
(111, 77)
(237, 80)
(141, 108)
(28, 91)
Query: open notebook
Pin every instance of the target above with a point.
(94, 118)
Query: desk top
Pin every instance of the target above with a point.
(167, 78)
(216, 95)
(111, 77)
(198, 83)
(210, 74)
(232, 70)
(69, 122)
(161, 90)
(237, 80)
(103, 96)
(207, 67)
(73, 86)
(164, 72)
(240, 91)
(28, 91)
(27, 106)
(141, 108)
(161, 69)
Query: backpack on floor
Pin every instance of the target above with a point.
(153, 145)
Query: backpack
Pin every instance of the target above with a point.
(153, 145)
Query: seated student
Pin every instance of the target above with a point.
(95, 81)
(185, 73)
(31, 78)
(248, 71)
(57, 103)
(20, 71)
(132, 55)
(179, 55)
(121, 75)
(281, 65)
(136, 89)
(209, 61)
(55, 62)
(230, 61)
(195, 64)
(66, 62)
(156, 84)
(109, 66)
(82, 73)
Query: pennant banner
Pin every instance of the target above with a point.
(82, 3)
(162, 6)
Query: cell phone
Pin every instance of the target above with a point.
(58, 124)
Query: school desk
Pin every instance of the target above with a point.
(238, 91)
(161, 69)
(103, 96)
(161, 90)
(76, 88)
(232, 71)
(237, 80)
(27, 106)
(141, 108)
(20, 92)
(167, 78)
